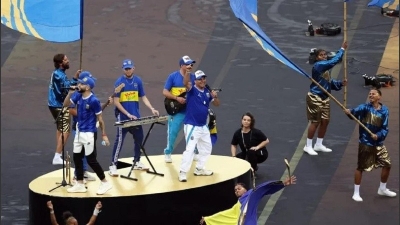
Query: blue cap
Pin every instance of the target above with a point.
(127, 64)
(87, 81)
(186, 60)
(199, 74)
(84, 74)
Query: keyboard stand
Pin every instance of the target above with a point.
(145, 154)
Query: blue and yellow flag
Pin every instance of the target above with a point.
(246, 12)
(392, 4)
(49, 20)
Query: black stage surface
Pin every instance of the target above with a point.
(155, 34)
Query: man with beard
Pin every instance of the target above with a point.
(173, 89)
(371, 151)
(127, 108)
(58, 88)
(88, 112)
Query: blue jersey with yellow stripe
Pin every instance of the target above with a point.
(174, 84)
(129, 95)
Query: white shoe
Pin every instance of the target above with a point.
(310, 150)
(203, 172)
(140, 166)
(104, 187)
(322, 148)
(88, 177)
(182, 177)
(77, 188)
(357, 198)
(74, 181)
(386, 192)
(113, 171)
(58, 161)
(196, 157)
(168, 158)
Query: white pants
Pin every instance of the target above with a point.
(199, 136)
(85, 139)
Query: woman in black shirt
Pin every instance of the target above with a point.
(252, 142)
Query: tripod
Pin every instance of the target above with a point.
(145, 154)
(63, 182)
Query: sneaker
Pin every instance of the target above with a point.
(167, 158)
(196, 157)
(113, 171)
(386, 192)
(58, 161)
(322, 148)
(203, 172)
(140, 166)
(88, 177)
(77, 188)
(357, 198)
(310, 150)
(104, 187)
(182, 177)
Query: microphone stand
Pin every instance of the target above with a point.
(63, 182)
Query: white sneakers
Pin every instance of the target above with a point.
(57, 160)
(168, 158)
(80, 188)
(182, 177)
(316, 149)
(140, 166)
(383, 192)
(113, 171)
(197, 172)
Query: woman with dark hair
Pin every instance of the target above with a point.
(69, 219)
(252, 142)
(244, 212)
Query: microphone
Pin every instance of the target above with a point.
(213, 89)
(71, 88)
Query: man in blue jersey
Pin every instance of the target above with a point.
(173, 89)
(198, 99)
(73, 112)
(372, 153)
(127, 108)
(318, 107)
(58, 88)
(88, 112)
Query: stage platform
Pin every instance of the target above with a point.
(152, 199)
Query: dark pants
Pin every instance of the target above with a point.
(137, 133)
(91, 160)
(253, 158)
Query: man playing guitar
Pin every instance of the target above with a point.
(174, 89)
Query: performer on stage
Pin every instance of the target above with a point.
(318, 107)
(172, 89)
(88, 111)
(252, 142)
(73, 112)
(372, 153)
(127, 108)
(213, 133)
(244, 212)
(196, 130)
(69, 219)
(58, 88)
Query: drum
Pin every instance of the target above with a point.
(211, 119)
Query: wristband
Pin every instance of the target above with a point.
(128, 115)
(52, 212)
(96, 212)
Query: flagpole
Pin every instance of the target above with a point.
(81, 36)
(341, 106)
(345, 52)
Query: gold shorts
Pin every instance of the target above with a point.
(317, 108)
(63, 122)
(370, 157)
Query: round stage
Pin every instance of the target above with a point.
(152, 199)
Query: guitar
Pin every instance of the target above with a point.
(172, 106)
(116, 91)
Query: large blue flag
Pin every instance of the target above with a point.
(392, 4)
(49, 20)
(246, 12)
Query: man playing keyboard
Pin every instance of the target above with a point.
(127, 107)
